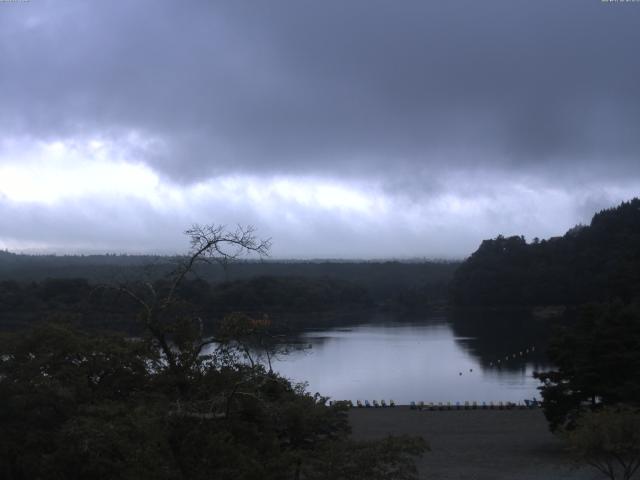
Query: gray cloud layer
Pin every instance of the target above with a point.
(407, 94)
(307, 85)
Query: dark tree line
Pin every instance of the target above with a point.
(413, 284)
(596, 357)
(594, 271)
(591, 263)
(24, 303)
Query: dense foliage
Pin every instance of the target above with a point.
(384, 281)
(22, 303)
(77, 406)
(596, 354)
(92, 305)
(594, 271)
(588, 264)
(290, 294)
(274, 288)
(609, 441)
(170, 403)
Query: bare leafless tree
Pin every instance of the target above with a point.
(209, 243)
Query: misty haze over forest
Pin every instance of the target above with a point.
(365, 129)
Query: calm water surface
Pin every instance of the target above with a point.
(431, 359)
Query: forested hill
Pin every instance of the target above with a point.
(381, 278)
(36, 287)
(589, 263)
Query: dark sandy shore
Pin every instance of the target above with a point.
(476, 444)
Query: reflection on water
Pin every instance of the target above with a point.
(436, 359)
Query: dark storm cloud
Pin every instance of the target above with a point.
(392, 90)
(359, 128)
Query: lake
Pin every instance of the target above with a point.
(448, 358)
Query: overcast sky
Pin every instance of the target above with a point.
(347, 129)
